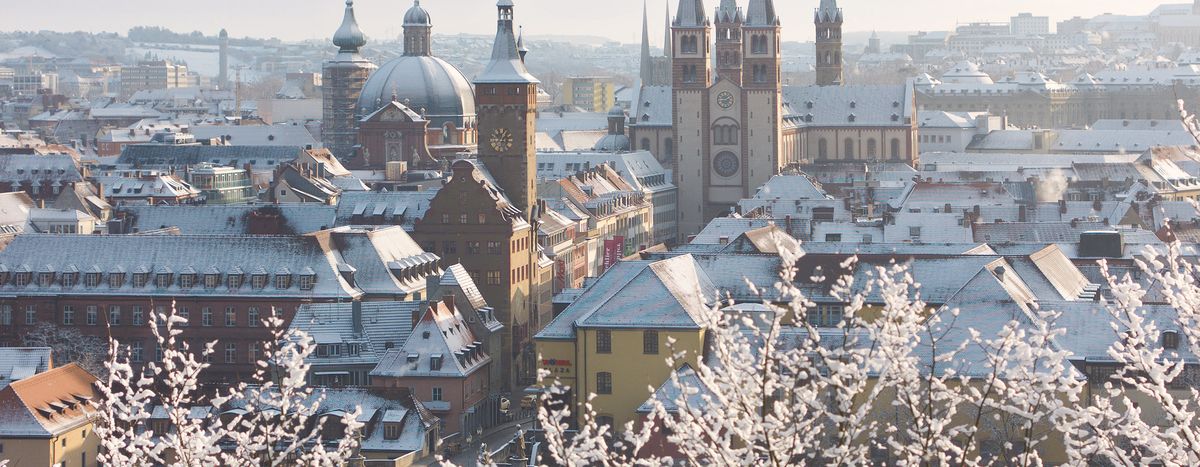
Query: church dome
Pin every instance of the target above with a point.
(417, 16)
(966, 73)
(421, 82)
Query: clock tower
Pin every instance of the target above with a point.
(506, 106)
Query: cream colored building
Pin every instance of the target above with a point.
(47, 421)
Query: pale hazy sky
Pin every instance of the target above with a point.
(615, 19)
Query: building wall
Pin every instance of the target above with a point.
(461, 393)
(496, 275)
(632, 370)
(76, 447)
(242, 334)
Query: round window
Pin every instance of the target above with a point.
(726, 164)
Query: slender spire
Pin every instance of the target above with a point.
(521, 49)
(348, 37)
(505, 65)
(691, 14)
(647, 71)
(667, 29)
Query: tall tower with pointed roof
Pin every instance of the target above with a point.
(691, 80)
(343, 79)
(506, 102)
(828, 19)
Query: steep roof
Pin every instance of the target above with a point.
(22, 362)
(690, 14)
(441, 345)
(506, 65)
(665, 294)
(47, 404)
(385, 325)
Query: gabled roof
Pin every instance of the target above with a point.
(47, 404)
(670, 392)
(385, 325)
(668, 294)
(441, 345)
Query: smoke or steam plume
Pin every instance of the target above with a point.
(1052, 188)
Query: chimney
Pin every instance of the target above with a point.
(1021, 213)
(357, 317)
(448, 299)
(420, 312)
(1000, 272)
(1062, 206)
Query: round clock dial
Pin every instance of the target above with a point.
(725, 99)
(501, 140)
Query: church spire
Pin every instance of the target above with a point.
(348, 37)
(521, 49)
(728, 12)
(505, 65)
(829, 12)
(667, 29)
(647, 70)
(690, 14)
(762, 13)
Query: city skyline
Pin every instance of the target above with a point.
(317, 19)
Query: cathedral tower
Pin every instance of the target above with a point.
(828, 19)
(729, 41)
(690, 82)
(506, 103)
(343, 79)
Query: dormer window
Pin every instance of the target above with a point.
(116, 279)
(283, 281)
(258, 281)
(435, 362)
(308, 281)
(211, 281)
(140, 279)
(163, 280)
(22, 278)
(234, 281)
(187, 281)
(91, 279)
(412, 360)
(1170, 340)
(69, 279)
(45, 279)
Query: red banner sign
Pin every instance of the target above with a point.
(613, 251)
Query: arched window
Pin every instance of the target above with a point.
(849, 152)
(822, 149)
(668, 150)
(646, 144)
(871, 153)
(448, 133)
(896, 149)
(725, 133)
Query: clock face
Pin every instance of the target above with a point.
(725, 99)
(501, 140)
